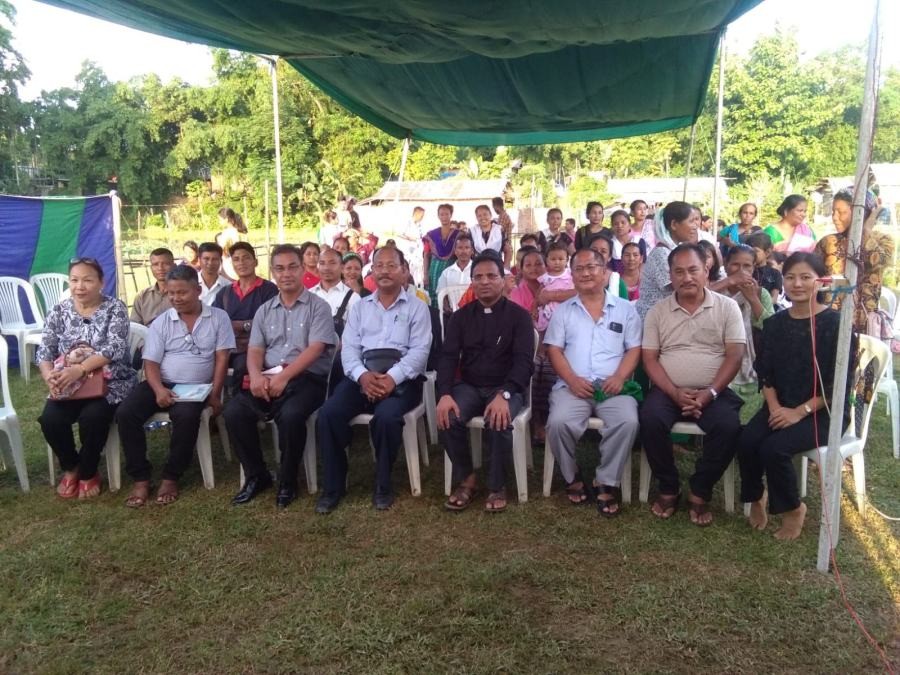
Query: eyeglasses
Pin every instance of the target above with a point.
(85, 261)
(189, 338)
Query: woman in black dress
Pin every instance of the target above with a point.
(794, 417)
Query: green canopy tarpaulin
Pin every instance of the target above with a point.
(472, 72)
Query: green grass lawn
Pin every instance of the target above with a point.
(202, 587)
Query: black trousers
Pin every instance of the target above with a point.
(386, 428)
(134, 411)
(94, 416)
(290, 411)
(721, 422)
(472, 401)
(763, 450)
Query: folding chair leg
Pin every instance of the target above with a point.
(520, 463)
(51, 465)
(428, 397)
(448, 474)
(549, 464)
(18, 452)
(645, 475)
(309, 455)
(411, 447)
(728, 477)
(859, 481)
(204, 451)
(802, 473)
(113, 452)
(626, 480)
(423, 441)
(23, 355)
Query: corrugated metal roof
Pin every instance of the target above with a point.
(664, 189)
(450, 190)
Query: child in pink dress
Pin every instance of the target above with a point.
(557, 278)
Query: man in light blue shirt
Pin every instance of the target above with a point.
(594, 344)
(387, 385)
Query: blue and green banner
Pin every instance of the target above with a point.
(39, 235)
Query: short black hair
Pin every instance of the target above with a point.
(183, 273)
(209, 247)
(399, 253)
(596, 254)
(688, 246)
(760, 240)
(464, 236)
(281, 249)
(739, 248)
(590, 205)
(555, 208)
(242, 246)
(638, 247)
(676, 211)
(558, 246)
(162, 251)
(90, 262)
(491, 256)
(635, 203)
(601, 235)
(307, 245)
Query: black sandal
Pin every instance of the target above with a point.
(614, 495)
(664, 503)
(579, 492)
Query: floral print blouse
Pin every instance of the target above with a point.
(106, 331)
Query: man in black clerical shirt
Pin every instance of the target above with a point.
(491, 344)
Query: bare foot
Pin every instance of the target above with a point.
(758, 517)
(167, 493)
(791, 523)
(140, 493)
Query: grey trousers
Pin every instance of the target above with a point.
(568, 421)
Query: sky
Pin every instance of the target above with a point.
(122, 53)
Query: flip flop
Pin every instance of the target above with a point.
(67, 488)
(666, 502)
(697, 509)
(580, 493)
(85, 486)
(461, 499)
(493, 498)
(134, 501)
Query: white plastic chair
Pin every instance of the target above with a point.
(12, 318)
(523, 455)
(309, 451)
(414, 443)
(596, 424)
(689, 429)
(9, 421)
(852, 446)
(888, 302)
(49, 288)
(453, 294)
(137, 333)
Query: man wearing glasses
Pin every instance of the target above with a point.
(187, 344)
(594, 344)
(288, 359)
(384, 352)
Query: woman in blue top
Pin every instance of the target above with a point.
(736, 233)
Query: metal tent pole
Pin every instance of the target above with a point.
(687, 169)
(117, 245)
(831, 512)
(279, 193)
(719, 115)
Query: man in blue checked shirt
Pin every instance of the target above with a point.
(384, 351)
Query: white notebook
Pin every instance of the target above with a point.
(192, 393)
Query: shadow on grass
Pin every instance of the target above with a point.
(201, 586)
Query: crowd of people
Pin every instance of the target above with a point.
(643, 324)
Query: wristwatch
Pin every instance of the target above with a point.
(506, 395)
(714, 393)
(247, 326)
(809, 411)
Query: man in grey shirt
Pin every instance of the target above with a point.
(187, 344)
(390, 319)
(288, 360)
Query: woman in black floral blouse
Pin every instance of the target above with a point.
(86, 334)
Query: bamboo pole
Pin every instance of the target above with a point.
(720, 111)
(279, 194)
(829, 527)
(687, 169)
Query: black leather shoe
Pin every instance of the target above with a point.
(383, 502)
(327, 503)
(252, 487)
(286, 495)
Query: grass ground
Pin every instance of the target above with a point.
(202, 587)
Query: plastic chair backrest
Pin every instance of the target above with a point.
(871, 350)
(453, 294)
(50, 288)
(888, 302)
(137, 335)
(4, 374)
(11, 313)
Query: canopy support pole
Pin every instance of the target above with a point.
(279, 192)
(117, 245)
(687, 168)
(829, 527)
(403, 157)
(719, 115)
